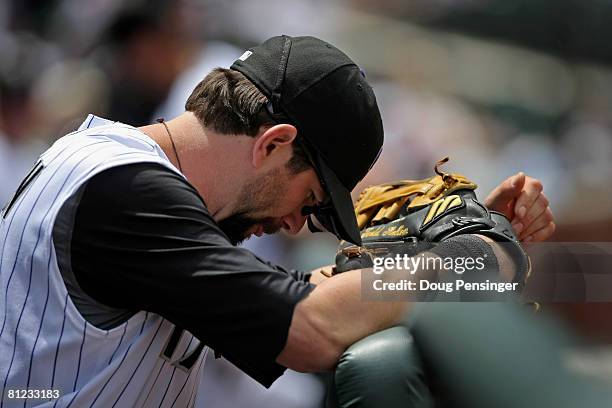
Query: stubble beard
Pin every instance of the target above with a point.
(257, 196)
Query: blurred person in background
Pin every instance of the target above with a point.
(17, 151)
(148, 51)
(24, 57)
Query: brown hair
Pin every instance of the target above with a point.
(226, 101)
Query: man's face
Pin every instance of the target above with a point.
(271, 202)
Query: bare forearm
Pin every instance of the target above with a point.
(333, 317)
(340, 300)
(320, 274)
(335, 314)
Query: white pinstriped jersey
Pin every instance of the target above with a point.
(45, 344)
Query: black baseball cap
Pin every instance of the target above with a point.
(317, 88)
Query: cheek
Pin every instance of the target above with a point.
(289, 200)
(281, 197)
(275, 200)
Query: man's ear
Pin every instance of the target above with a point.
(272, 141)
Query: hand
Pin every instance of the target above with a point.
(520, 198)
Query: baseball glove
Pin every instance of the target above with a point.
(408, 216)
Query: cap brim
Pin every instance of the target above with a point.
(343, 211)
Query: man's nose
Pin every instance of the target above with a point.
(294, 222)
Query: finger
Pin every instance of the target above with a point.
(533, 213)
(521, 225)
(531, 190)
(540, 222)
(542, 234)
(507, 191)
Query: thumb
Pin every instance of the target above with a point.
(506, 192)
(518, 181)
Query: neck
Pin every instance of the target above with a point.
(202, 155)
(176, 156)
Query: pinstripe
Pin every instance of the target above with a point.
(26, 221)
(122, 360)
(30, 279)
(40, 227)
(120, 341)
(71, 399)
(139, 363)
(42, 319)
(68, 164)
(58, 345)
(8, 371)
(191, 372)
(76, 378)
(57, 348)
(173, 372)
(192, 398)
(127, 351)
(161, 368)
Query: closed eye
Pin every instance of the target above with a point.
(311, 199)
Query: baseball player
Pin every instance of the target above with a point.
(118, 266)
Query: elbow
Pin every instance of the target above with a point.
(313, 343)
